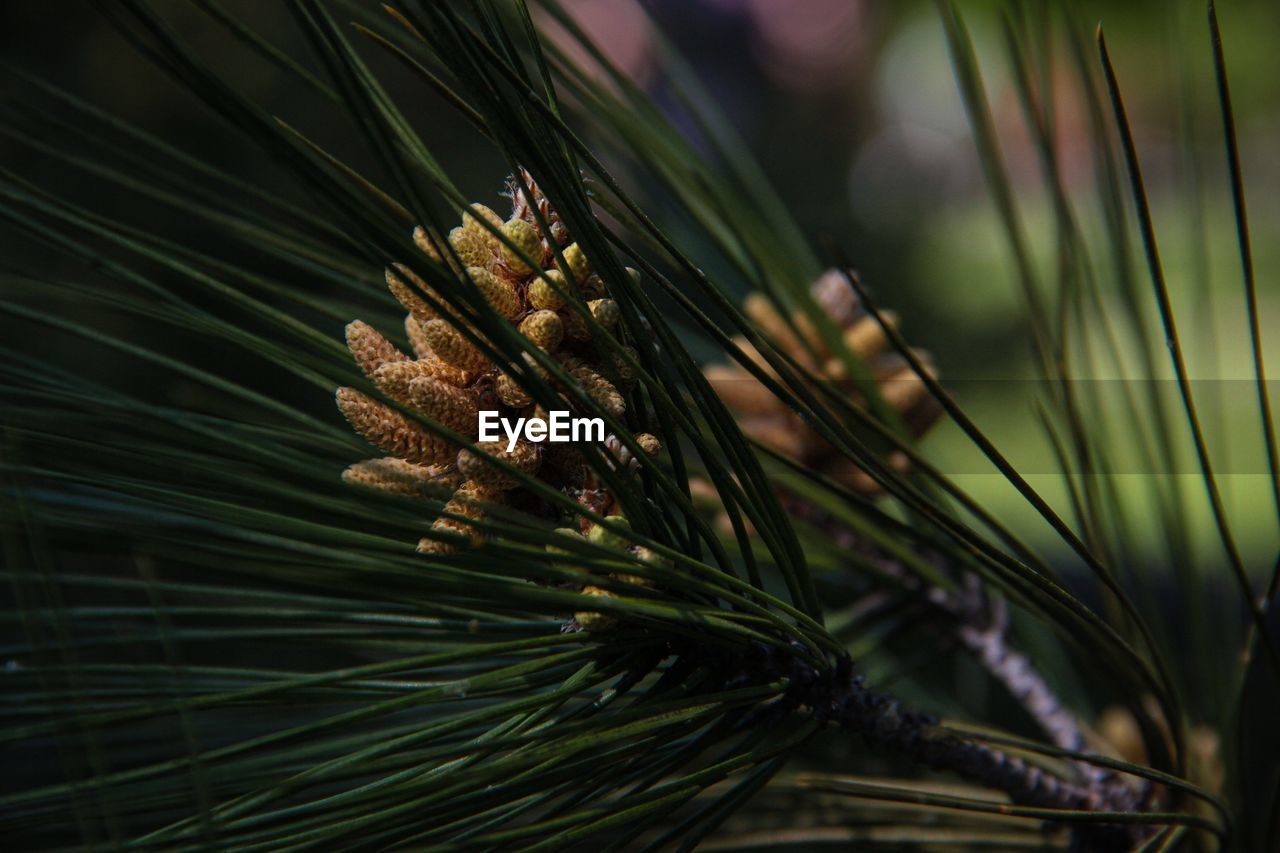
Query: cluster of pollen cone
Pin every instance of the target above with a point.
(448, 380)
(768, 420)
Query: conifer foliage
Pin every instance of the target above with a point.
(228, 626)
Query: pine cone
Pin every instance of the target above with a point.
(770, 421)
(450, 378)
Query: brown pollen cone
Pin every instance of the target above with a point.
(451, 376)
(768, 420)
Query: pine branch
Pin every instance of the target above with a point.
(980, 625)
(839, 696)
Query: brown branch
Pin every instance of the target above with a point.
(838, 696)
(981, 627)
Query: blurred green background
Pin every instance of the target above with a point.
(852, 110)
